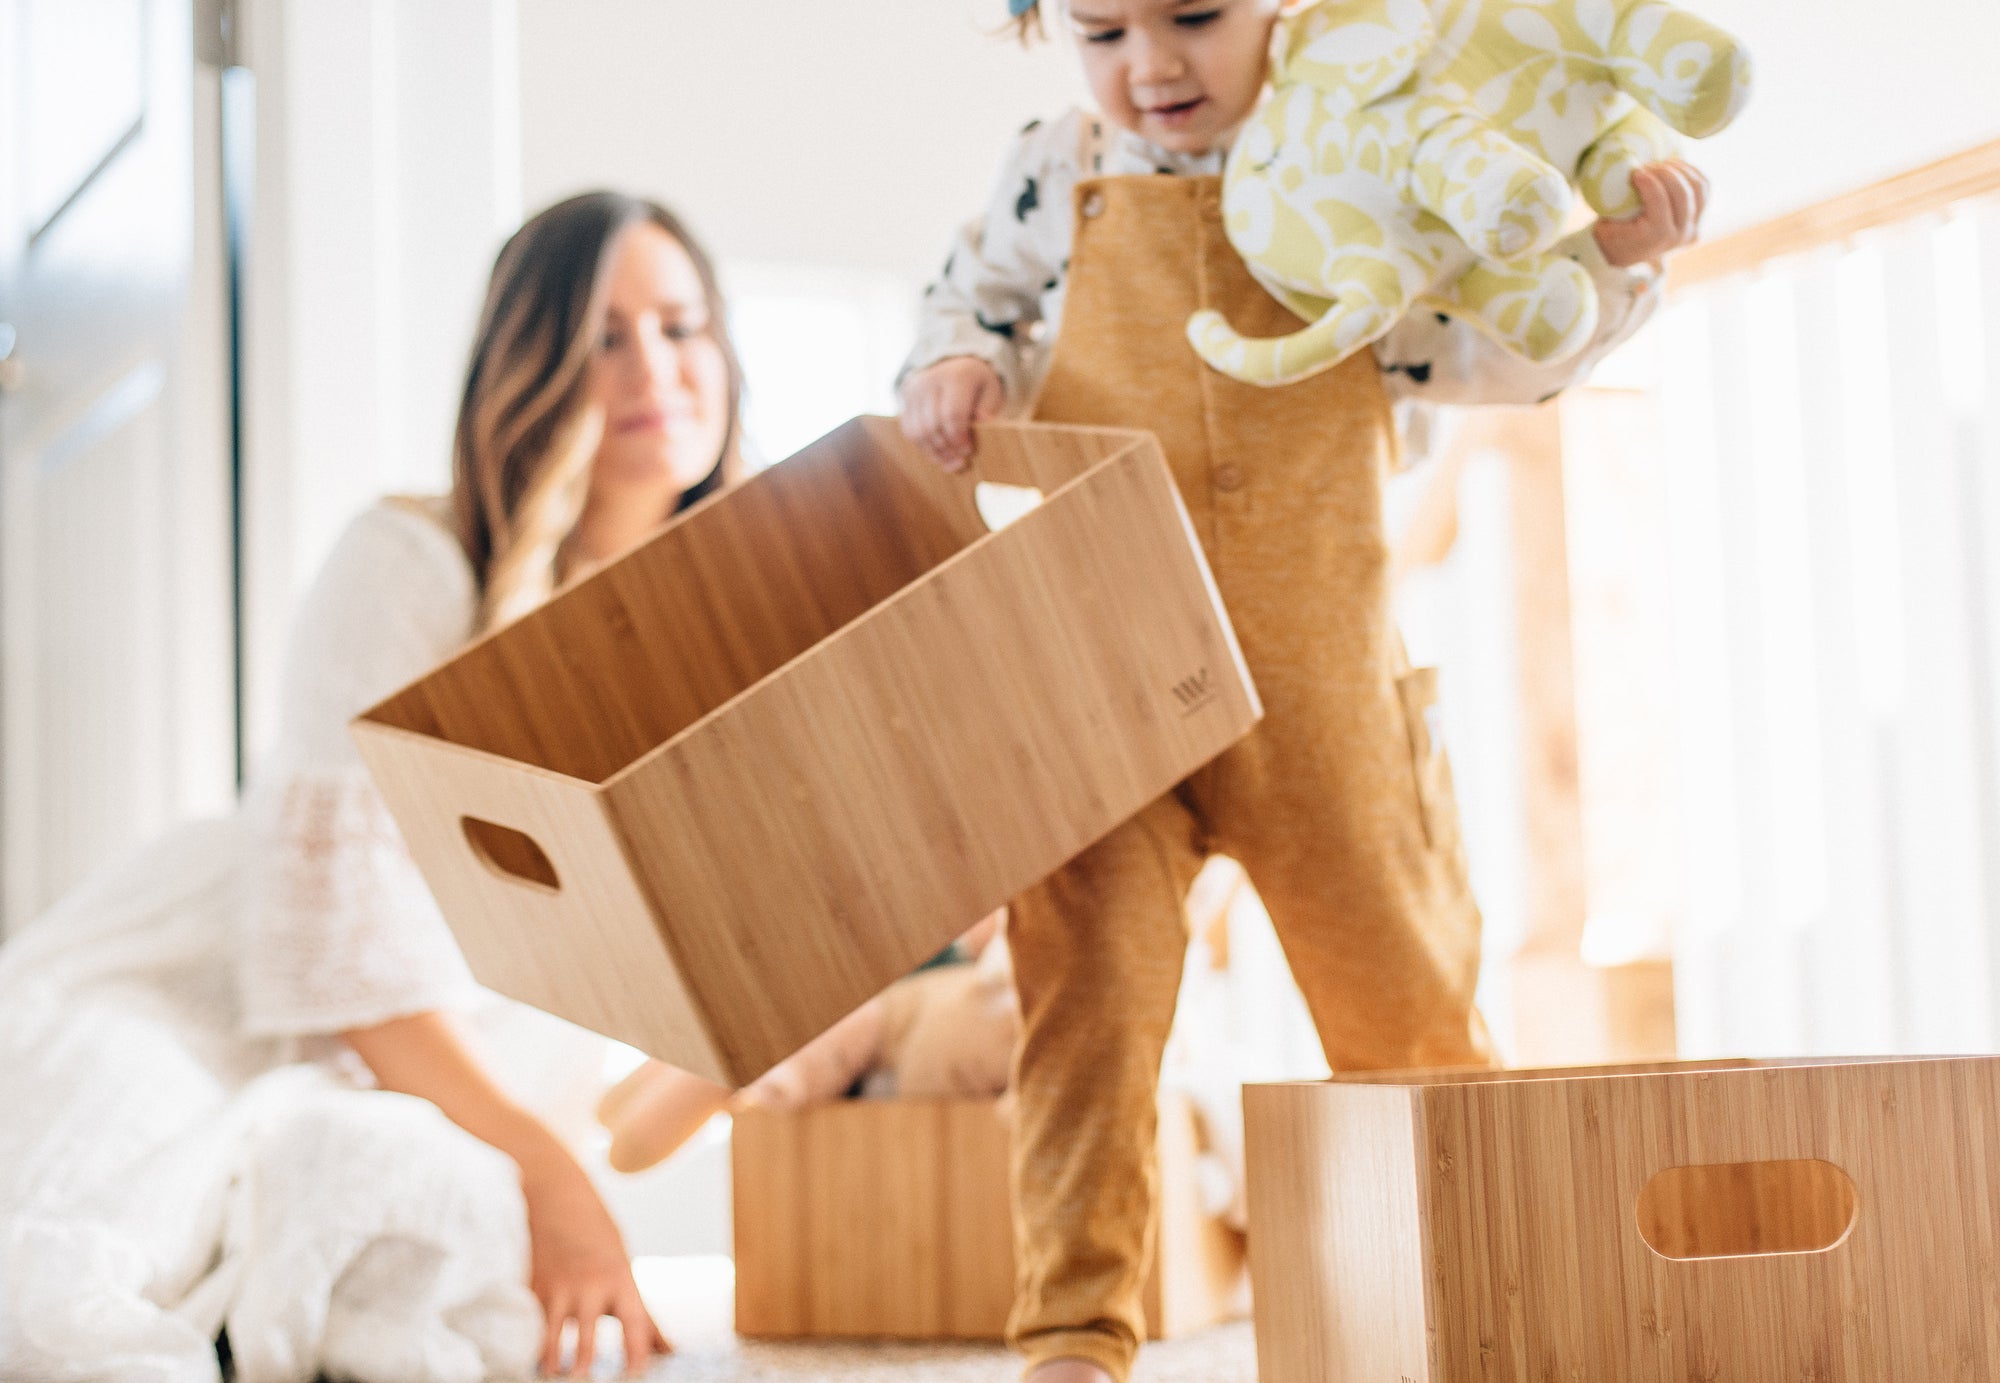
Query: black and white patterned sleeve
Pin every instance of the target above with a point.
(1434, 358)
(986, 301)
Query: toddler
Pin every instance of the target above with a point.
(1067, 301)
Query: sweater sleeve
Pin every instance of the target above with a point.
(987, 301)
(338, 929)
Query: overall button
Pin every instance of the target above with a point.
(1093, 204)
(1227, 478)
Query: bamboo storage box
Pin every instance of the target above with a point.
(889, 1219)
(714, 796)
(1747, 1222)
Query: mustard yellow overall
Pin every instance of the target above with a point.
(1338, 805)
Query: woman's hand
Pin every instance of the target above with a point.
(577, 1265)
(941, 402)
(1672, 196)
(579, 1271)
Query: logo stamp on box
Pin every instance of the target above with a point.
(1195, 692)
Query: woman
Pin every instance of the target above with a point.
(602, 398)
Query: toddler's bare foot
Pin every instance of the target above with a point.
(1069, 1371)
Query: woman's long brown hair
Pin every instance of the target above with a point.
(522, 451)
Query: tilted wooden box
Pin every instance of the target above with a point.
(1748, 1222)
(715, 795)
(889, 1219)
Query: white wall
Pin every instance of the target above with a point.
(856, 133)
(788, 131)
(1848, 92)
(387, 173)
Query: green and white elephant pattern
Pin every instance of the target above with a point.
(1424, 152)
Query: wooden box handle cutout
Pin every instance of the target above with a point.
(999, 505)
(1742, 1209)
(511, 854)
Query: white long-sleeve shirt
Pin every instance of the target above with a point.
(1000, 295)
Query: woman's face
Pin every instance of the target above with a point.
(658, 376)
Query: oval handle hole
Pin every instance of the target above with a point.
(510, 854)
(1736, 1209)
(999, 505)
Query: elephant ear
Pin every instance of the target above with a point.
(1356, 51)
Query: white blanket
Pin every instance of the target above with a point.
(162, 1177)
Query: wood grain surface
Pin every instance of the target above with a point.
(1501, 1214)
(890, 1219)
(1925, 191)
(782, 752)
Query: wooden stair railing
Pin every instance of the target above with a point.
(1896, 200)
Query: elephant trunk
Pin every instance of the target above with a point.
(1343, 329)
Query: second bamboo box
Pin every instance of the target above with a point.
(1722, 1222)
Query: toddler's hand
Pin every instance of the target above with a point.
(941, 402)
(1671, 197)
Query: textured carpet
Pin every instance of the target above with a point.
(692, 1299)
(1222, 1355)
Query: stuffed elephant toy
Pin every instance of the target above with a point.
(1424, 151)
